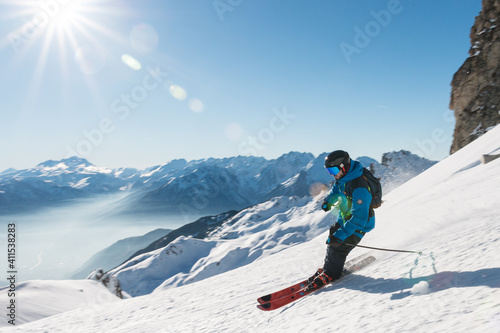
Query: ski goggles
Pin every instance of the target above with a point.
(333, 170)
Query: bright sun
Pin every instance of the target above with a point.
(66, 15)
(72, 32)
(53, 21)
(71, 28)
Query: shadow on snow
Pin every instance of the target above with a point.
(489, 277)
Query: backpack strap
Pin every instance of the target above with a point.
(367, 184)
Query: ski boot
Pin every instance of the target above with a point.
(318, 280)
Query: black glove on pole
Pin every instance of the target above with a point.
(333, 228)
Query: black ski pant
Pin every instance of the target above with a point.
(336, 254)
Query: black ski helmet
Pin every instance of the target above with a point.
(340, 159)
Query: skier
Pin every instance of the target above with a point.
(352, 196)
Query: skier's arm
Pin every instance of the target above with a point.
(331, 198)
(360, 211)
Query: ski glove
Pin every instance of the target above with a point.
(325, 206)
(333, 229)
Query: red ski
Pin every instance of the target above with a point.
(288, 295)
(278, 303)
(282, 293)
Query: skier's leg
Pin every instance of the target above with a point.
(336, 254)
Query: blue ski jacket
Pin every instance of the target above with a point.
(353, 199)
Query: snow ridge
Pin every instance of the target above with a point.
(253, 233)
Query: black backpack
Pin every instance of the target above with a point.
(374, 187)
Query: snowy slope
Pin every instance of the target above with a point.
(43, 298)
(253, 233)
(450, 211)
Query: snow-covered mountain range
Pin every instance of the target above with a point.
(54, 182)
(211, 284)
(193, 189)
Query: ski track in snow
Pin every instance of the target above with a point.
(450, 213)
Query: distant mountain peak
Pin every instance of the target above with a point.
(70, 161)
(9, 170)
(403, 155)
(366, 161)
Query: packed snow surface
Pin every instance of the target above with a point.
(449, 213)
(43, 298)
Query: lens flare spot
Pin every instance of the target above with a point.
(316, 189)
(90, 59)
(177, 92)
(144, 38)
(131, 62)
(196, 105)
(233, 131)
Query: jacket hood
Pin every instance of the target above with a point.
(354, 172)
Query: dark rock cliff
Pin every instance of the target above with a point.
(475, 95)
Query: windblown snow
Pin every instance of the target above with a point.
(449, 213)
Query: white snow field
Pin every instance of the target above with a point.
(450, 213)
(39, 299)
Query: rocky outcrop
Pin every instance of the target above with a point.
(475, 95)
(108, 281)
(398, 167)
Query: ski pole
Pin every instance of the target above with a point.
(381, 249)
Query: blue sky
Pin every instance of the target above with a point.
(136, 84)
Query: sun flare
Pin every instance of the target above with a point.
(67, 14)
(65, 38)
(63, 25)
